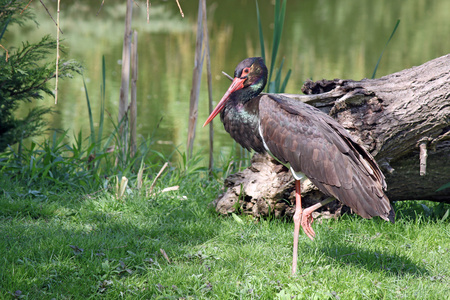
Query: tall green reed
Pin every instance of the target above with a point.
(276, 86)
(385, 46)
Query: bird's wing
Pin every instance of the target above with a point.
(315, 144)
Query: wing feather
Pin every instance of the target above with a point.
(315, 144)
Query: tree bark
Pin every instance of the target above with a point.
(403, 119)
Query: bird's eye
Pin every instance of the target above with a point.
(245, 71)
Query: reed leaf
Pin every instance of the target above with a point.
(279, 16)
(280, 11)
(278, 76)
(285, 81)
(261, 36)
(91, 119)
(274, 41)
(385, 46)
(445, 186)
(102, 103)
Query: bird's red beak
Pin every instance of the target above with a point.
(237, 84)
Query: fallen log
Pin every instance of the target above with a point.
(403, 120)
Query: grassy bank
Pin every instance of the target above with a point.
(63, 244)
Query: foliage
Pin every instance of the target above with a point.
(23, 78)
(85, 166)
(88, 164)
(12, 12)
(50, 162)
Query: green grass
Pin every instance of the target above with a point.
(211, 256)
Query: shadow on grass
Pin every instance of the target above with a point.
(373, 244)
(108, 226)
(372, 260)
(376, 253)
(102, 244)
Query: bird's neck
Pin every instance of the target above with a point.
(241, 121)
(250, 91)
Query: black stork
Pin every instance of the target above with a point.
(307, 141)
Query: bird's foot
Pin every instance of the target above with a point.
(307, 218)
(306, 222)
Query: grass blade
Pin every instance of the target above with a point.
(447, 213)
(237, 219)
(385, 46)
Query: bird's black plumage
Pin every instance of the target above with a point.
(318, 146)
(307, 139)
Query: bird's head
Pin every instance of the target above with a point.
(250, 77)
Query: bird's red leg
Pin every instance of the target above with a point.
(307, 218)
(297, 219)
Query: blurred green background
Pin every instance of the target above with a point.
(321, 39)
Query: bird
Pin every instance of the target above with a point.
(307, 141)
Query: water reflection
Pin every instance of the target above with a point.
(322, 39)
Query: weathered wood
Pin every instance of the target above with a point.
(392, 116)
(196, 80)
(133, 102)
(125, 82)
(209, 78)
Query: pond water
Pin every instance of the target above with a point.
(321, 39)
